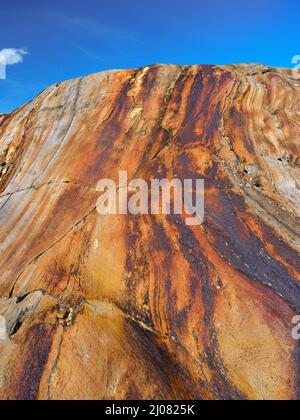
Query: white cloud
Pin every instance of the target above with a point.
(10, 56)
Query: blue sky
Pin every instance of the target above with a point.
(70, 38)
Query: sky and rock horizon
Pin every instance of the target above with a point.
(48, 42)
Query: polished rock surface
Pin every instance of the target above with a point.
(145, 307)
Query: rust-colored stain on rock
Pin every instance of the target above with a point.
(146, 307)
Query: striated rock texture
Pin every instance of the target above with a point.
(145, 307)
